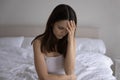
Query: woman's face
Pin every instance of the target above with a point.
(59, 29)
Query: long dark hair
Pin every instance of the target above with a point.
(48, 39)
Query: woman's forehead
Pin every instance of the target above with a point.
(62, 23)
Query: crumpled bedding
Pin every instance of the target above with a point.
(93, 66)
(18, 64)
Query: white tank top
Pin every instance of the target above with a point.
(55, 64)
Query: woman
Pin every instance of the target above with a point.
(54, 50)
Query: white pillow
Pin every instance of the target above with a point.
(27, 42)
(89, 44)
(11, 41)
(82, 44)
(93, 59)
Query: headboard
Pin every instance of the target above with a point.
(33, 30)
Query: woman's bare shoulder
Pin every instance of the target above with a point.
(37, 47)
(37, 41)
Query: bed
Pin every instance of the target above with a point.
(17, 63)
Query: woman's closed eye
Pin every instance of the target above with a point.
(60, 27)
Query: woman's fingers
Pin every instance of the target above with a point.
(68, 27)
(74, 25)
(71, 25)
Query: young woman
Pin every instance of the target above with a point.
(54, 50)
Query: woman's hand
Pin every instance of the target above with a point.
(73, 77)
(71, 29)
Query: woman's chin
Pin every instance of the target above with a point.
(59, 37)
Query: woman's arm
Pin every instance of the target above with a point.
(70, 55)
(70, 58)
(40, 65)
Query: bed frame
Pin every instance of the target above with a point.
(33, 30)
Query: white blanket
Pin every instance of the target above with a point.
(18, 64)
(93, 66)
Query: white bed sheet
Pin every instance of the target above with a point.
(18, 64)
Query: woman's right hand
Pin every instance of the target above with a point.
(71, 29)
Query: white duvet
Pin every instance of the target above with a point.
(17, 64)
(93, 66)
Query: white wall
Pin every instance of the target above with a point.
(98, 13)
